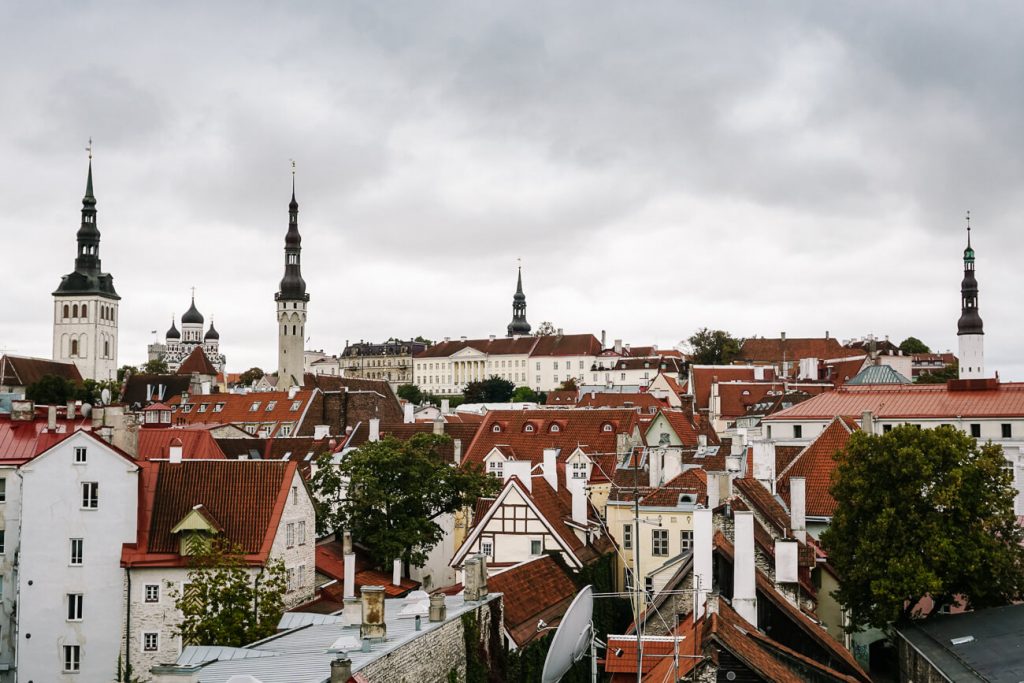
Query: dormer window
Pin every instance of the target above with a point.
(270, 405)
(296, 405)
(606, 427)
(218, 407)
(528, 428)
(254, 407)
(496, 428)
(555, 429)
(187, 408)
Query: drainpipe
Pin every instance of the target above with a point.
(128, 629)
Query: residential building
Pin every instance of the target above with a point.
(292, 305)
(784, 354)
(535, 590)
(612, 371)
(271, 413)
(85, 304)
(262, 507)
(18, 373)
(926, 363)
(179, 346)
(390, 361)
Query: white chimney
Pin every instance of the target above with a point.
(446, 406)
(374, 429)
(519, 469)
(764, 463)
(702, 550)
(579, 502)
(396, 572)
(408, 417)
(786, 560)
(702, 440)
(51, 418)
(714, 489)
(672, 466)
(744, 592)
(292, 392)
(71, 410)
(867, 422)
(656, 462)
(350, 567)
(457, 449)
(550, 467)
(174, 451)
(321, 432)
(618, 346)
(438, 425)
(798, 507)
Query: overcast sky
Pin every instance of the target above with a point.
(658, 166)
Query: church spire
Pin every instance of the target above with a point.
(519, 326)
(970, 329)
(292, 284)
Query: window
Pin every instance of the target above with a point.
(627, 536)
(495, 467)
(254, 407)
(579, 470)
(296, 405)
(798, 431)
(150, 642)
(90, 495)
(202, 407)
(976, 430)
(219, 407)
(286, 430)
(290, 579)
(3, 541)
(76, 552)
(555, 428)
(528, 428)
(659, 542)
(289, 535)
(271, 405)
(649, 586)
(487, 547)
(3, 490)
(536, 547)
(152, 592)
(685, 541)
(75, 606)
(496, 428)
(623, 377)
(186, 408)
(301, 530)
(538, 365)
(72, 658)
(1007, 431)
(886, 429)
(74, 352)
(606, 428)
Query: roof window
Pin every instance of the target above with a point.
(296, 405)
(528, 428)
(555, 428)
(270, 405)
(606, 427)
(254, 407)
(218, 407)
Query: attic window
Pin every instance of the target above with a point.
(528, 428)
(555, 428)
(270, 405)
(254, 407)
(218, 407)
(296, 405)
(496, 428)
(606, 427)
(187, 408)
(202, 407)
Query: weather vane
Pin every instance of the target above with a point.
(293, 167)
(89, 148)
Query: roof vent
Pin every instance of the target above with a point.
(962, 640)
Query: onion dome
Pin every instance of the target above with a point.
(192, 315)
(173, 332)
(212, 333)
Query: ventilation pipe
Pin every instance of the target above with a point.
(550, 468)
(702, 551)
(51, 418)
(373, 628)
(744, 595)
(350, 567)
(374, 429)
(798, 507)
(396, 572)
(438, 425)
(408, 414)
(438, 609)
(341, 669)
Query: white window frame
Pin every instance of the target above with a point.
(90, 495)
(72, 660)
(156, 641)
(487, 546)
(540, 544)
(155, 593)
(289, 535)
(71, 552)
(685, 540)
(75, 606)
(81, 455)
(301, 532)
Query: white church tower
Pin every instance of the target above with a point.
(970, 332)
(85, 313)
(292, 302)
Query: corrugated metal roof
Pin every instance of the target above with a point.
(290, 620)
(877, 374)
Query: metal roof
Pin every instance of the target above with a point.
(877, 374)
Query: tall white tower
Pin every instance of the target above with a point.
(85, 315)
(292, 302)
(970, 332)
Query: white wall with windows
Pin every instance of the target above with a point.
(85, 333)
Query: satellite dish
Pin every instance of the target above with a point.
(572, 639)
(86, 410)
(105, 397)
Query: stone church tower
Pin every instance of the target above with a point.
(85, 315)
(970, 331)
(292, 302)
(518, 326)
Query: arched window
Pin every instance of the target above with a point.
(606, 427)
(74, 348)
(555, 428)
(106, 349)
(74, 311)
(293, 330)
(85, 311)
(67, 311)
(496, 428)
(528, 428)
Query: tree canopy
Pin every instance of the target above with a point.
(912, 345)
(224, 602)
(494, 389)
(51, 390)
(568, 384)
(545, 329)
(922, 512)
(410, 393)
(251, 375)
(157, 366)
(525, 395)
(939, 376)
(713, 347)
(390, 493)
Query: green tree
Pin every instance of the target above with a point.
(922, 512)
(157, 366)
(249, 376)
(91, 391)
(224, 602)
(713, 347)
(942, 376)
(423, 340)
(569, 384)
(524, 395)
(912, 345)
(126, 370)
(410, 393)
(494, 389)
(389, 493)
(51, 390)
(545, 329)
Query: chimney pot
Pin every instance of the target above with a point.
(71, 410)
(551, 468)
(438, 609)
(471, 578)
(341, 669)
(373, 628)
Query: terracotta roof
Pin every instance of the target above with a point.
(196, 443)
(564, 429)
(704, 375)
(246, 497)
(793, 349)
(659, 364)
(785, 455)
(22, 371)
(639, 402)
(693, 480)
(464, 432)
(20, 441)
(330, 561)
(239, 409)
(657, 663)
(736, 397)
(500, 346)
(816, 464)
(761, 498)
(914, 401)
(561, 397)
(567, 345)
(682, 424)
(197, 362)
(537, 589)
(839, 370)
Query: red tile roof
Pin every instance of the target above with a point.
(816, 464)
(238, 409)
(792, 349)
(330, 561)
(246, 497)
(736, 397)
(839, 370)
(704, 375)
(561, 397)
(693, 481)
(567, 345)
(196, 443)
(24, 371)
(464, 432)
(197, 362)
(20, 441)
(682, 424)
(761, 498)
(640, 402)
(550, 345)
(537, 589)
(924, 401)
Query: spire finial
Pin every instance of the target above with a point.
(89, 148)
(193, 294)
(968, 228)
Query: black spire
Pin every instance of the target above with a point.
(88, 278)
(970, 321)
(292, 284)
(519, 324)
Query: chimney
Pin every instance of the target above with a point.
(702, 551)
(350, 567)
(396, 572)
(373, 627)
(713, 490)
(826, 334)
(520, 469)
(471, 578)
(550, 467)
(446, 406)
(603, 338)
(51, 418)
(374, 429)
(408, 416)
(579, 503)
(867, 422)
(618, 346)
(341, 669)
(457, 448)
(174, 450)
(786, 557)
(622, 443)
(293, 392)
(438, 609)
(23, 411)
(439, 425)
(71, 410)
(673, 465)
(744, 594)
(702, 440)
(798, 507)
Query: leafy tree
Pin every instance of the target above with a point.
(569, 384)
(524, 395)
(124, 371)
(713, 347)
(51, 390)
(249, 376)
(91, 391)
(922, 512)
(157, 366)
(545, 329)
(912, 345)
(411, 393)
(494, 389)
(225, 602)
(423, 340)
(389, 493)
(942, 376)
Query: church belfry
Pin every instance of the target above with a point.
(292, 302)
(969, 328)
(519, 326)
(85, 315)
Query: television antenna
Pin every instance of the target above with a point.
(573, 637)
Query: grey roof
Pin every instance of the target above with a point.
(995, 651)
(877, 374)
(302, 654)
